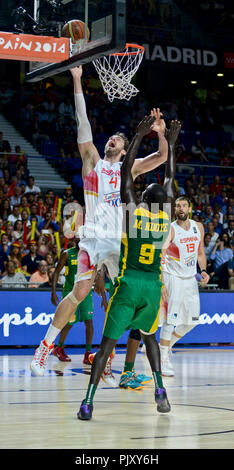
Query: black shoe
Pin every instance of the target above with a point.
(163, 405)
(85, 412)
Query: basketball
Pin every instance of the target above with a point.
(75, 29)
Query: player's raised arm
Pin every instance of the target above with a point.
(171, 135)
(127, 187)
(152, 161)
(87, 149)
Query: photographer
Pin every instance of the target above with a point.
(221, 254)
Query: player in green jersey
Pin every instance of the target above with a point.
(136, 300)
(83, 313)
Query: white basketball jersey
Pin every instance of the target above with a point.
(181, 255)
(103, 206)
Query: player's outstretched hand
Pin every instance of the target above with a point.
(145, 125)
(77, 72)
(172, 133)
(159, 125)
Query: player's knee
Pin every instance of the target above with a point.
(166, 331)
(73, 299)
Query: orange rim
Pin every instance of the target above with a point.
(140, 50)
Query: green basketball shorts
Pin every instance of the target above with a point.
(135, 303)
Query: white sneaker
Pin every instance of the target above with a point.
(39, 362)
(107, 375)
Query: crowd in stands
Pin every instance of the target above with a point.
(45, 114)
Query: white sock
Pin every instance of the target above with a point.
(174, 340)
(51, 334)
(164, 352)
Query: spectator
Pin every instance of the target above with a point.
(34, 212)
(48, 222)
(66, 110)
(31, 187)
(40, 275)
(208, 245)
(214, 235)
(5, 210)
(15, 254)
(216, 186)
(31, 261)
(221, 254)
(198, 151)
(18, 229)
(50, 277)
(208, 213)
(43, 243)
(15, 215)
(13, 280)
(3, 262)
(4, 144)
(230, 229)
(16, 198)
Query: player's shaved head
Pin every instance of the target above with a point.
(154, 193)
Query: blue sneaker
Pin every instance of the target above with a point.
(128, 381)
(163, 405)
(142, 378)
(85, 412)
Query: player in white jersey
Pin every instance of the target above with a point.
(99, 244)
(181, 307)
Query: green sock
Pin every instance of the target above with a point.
(88, 347)
(128, 366)
(60, 344)
(157, 376)
(90, 394)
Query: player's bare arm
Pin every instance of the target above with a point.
(87, 149)
(127, 187)
(62, 262)
(202, 257)
(152, 161)
(171, 135)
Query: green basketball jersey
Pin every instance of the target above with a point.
(141, 246)
(70, 269)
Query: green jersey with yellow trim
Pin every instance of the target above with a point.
(70, 269)
(141, 246)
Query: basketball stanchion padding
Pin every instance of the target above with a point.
(116, 70)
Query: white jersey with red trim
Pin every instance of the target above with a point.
(181, 255)
(101, 233)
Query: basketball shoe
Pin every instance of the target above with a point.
(141, 378)
(86, 361)
(41, 356)
(107, 375)
(163, 405)
(59, 352)
(128, 381)
(85, 412)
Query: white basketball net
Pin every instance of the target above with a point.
(116, 71)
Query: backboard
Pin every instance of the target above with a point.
(106, 20)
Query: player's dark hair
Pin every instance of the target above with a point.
(183, 198)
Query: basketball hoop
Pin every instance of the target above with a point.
(116, 71)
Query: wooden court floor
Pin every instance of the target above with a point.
(40, 413)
